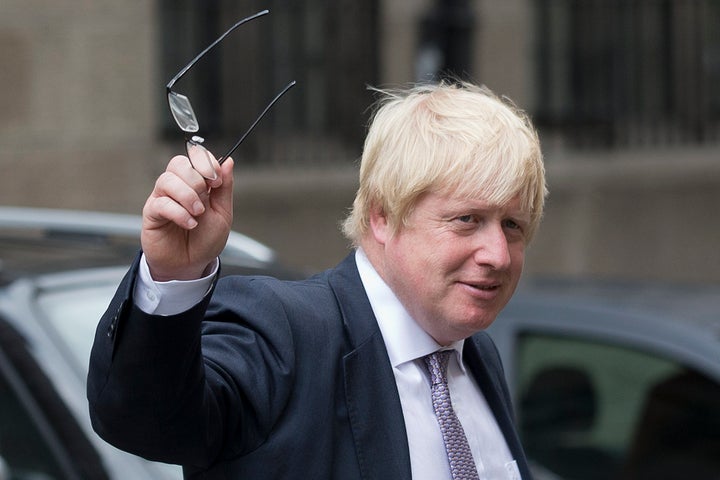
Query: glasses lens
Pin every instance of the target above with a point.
(183, 112)
(201, 159)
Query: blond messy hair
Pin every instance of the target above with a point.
(449, 138)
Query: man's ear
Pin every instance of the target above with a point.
(379, 225)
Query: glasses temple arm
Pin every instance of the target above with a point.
(213, 44)
(257, 120)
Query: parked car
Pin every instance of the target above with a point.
(615, 380)
(58, 271)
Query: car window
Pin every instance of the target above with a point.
(73, 315)
(71, 312)
(589, 410)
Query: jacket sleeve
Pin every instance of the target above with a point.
(193, 387)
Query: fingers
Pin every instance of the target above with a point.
(180, 195)
(186, 219)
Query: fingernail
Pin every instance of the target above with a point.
(192, 223)
(198, 208)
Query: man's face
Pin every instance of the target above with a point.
(455, 264)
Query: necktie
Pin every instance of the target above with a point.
(462, 465)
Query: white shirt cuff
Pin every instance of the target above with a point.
(169, 298)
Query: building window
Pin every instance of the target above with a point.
(329, 48)
(614, 73)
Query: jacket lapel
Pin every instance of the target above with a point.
(483, 361)
(373, 401)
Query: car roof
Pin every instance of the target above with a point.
(675, 320)
(694, 305)
(40, 240)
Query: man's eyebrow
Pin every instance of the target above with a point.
(520, 213)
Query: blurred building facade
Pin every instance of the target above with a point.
(624, 93)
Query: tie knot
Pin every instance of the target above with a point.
(437, 364)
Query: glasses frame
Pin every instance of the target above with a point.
(196, 140)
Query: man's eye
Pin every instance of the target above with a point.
(465, 218)
(512, 224)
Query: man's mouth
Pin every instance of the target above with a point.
(485, 286)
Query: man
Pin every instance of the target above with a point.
(333, 377)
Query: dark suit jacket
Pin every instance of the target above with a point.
(277, 380)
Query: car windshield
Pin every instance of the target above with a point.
(73, 312)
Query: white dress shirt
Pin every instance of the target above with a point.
(406, 344)
(169, 298)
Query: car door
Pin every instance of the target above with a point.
(39, 438)
(612, 398)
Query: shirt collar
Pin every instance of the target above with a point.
(404, 339)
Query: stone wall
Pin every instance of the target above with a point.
(78, 129)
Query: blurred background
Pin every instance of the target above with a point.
(624, 92)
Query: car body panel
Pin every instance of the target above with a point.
(58, 272)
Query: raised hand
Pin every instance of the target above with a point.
(187, 220)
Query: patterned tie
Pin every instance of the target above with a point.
(462, 465)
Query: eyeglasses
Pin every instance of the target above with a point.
(201, 159)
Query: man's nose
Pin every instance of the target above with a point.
(493, 250)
